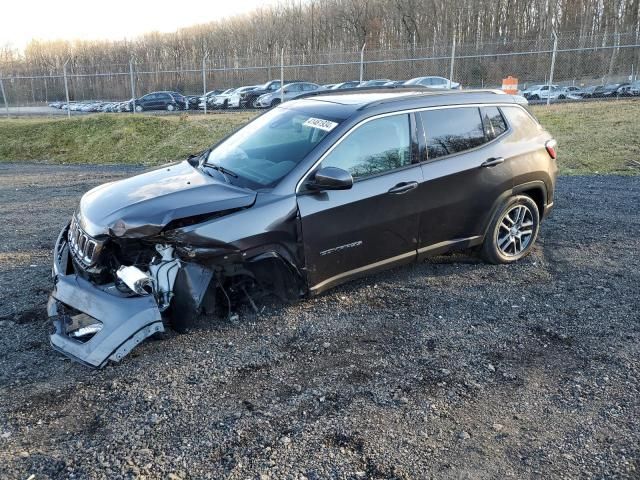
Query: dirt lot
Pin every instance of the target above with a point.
(447, 369)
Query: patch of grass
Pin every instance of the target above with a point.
(105, 138)
(595, 137)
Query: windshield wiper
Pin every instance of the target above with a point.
(225, 171)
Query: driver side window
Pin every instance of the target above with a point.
(376, 147)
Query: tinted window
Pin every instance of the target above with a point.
(452, 130)
(494, 124)
(376, 147)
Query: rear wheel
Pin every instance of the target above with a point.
(513, 231)
(139, 108)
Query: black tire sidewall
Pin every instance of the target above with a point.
(490, 250)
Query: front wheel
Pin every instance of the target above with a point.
(512, 232)
(275, 102)
(535, 97)
(170, 107)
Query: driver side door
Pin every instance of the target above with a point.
(374, 224)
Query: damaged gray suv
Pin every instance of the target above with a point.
(309, 195)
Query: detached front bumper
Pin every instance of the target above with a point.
(124, 321)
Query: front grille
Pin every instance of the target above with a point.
(84, 248)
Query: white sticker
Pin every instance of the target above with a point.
(325, 125)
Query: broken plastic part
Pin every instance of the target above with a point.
(126, 321)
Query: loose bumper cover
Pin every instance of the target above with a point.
(125, 321)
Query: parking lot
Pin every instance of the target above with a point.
(447, 369)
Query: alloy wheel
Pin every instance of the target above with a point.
(515, 231)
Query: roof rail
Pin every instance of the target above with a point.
(364, 89)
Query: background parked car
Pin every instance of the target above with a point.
(248, 98)
(222, 100)
(537, 92)
(433, 82)
(375, 83)
(570, 92)
(236, 98)
(288, 92)
(170, 101)
(607, 91)
(350, 84)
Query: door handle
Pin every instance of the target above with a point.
(403, 187)
(492, 162)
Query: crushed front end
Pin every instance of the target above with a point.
(104, 301)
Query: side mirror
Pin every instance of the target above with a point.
(331, 178)
(286, 90)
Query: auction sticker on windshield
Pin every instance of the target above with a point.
(325, 125)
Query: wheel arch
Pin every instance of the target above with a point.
(536, 189)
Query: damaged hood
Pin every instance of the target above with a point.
(143, 205)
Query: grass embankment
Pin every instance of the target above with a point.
(112, 138)
(594, 137)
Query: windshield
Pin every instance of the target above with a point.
(265, 150)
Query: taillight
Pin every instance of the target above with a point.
(551, 148)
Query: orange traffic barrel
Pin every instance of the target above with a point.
(510, 85)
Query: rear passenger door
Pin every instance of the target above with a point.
(465, 171)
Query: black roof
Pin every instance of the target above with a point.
(342, 104)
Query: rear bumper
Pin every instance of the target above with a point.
(125, 321)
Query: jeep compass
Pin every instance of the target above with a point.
(311, 194)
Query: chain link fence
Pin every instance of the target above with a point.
(567, 60)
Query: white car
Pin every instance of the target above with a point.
(234, 98)
(433, 82)
(222, 100)
(539, 92)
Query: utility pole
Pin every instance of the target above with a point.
(553, 66)
(204, 81)
(133, 86)
(453, 59)
(282, 75)
(66, 86)
(4, 96)
(362, 61)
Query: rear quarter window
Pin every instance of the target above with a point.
(519, 119)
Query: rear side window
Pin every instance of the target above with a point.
(519, 119)
(494, 124)
(376, 147)
(452, 130)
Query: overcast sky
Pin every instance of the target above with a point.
(23, 20)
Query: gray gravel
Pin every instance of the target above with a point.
(447, 369)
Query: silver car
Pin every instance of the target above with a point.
(288, 92)
(433, 82)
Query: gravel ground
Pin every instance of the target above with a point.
(446, 369)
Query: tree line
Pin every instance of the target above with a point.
(316, 31)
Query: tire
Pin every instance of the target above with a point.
(562, 97)
(139, 108)
(502, 245)
(225, 105)
(171, 107)
(275, 102)
(535, 97)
